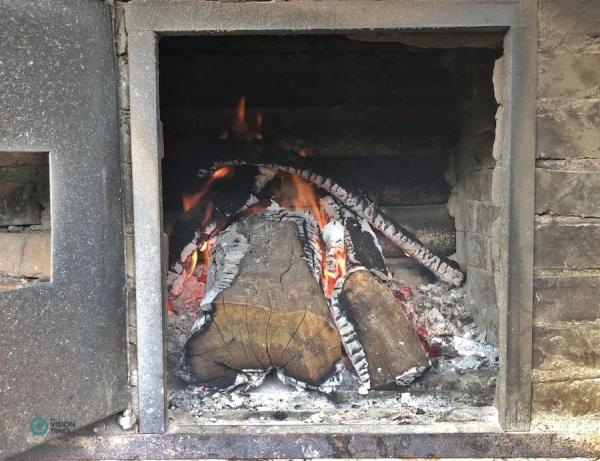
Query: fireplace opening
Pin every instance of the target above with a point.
(328, 206)
(24, 219)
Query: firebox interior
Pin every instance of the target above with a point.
(408, 120)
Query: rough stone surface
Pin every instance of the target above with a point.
(569, 75)
(572, 398)
(568, 128)
(566, 351)
(569, 25)
(563, 298)
(481, 301)
(567, 246)
(567, 193)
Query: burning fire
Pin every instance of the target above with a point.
(191, 200)
(334, 256)
(240, 129)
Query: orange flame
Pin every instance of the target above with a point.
(189, 201)
(240, 129)
(334, 269)
(305, 198)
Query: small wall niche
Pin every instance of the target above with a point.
(25, 224)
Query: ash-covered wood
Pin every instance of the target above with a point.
(273, 314)
(393, 351)
(445, 270)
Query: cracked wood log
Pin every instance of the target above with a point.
(273, 314)
(382, 336)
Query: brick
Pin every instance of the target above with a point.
(568, 128)
(570, 398)
(565, 298)
(25, 254)
(567, 246)
(569, 25)
(567, 193)
(566, 352)
(569, 76)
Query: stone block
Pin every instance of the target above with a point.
(479, 216)
(568, 25)
(25, 254)
(568, 128)
(567, 193)
(481, 301)
(569, 398)
(566, 298)
(479, 251)
(565, 352)
(567, 245)
(569, 75)
(476, 184)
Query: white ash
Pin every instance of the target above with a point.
(274, 402)
(437, 313)
(333, 235)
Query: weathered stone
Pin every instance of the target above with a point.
(479, 216)
(25, 254)
(479, 251)
(566, 298)
(567, 193)
(567, 246)
(569, 76)
(569, 351)
(499, 79)
(568, 128)
(572, 398)
(477, 184)
(569, 25)
(480, 300)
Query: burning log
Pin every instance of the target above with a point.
(376, 333)
(263, 309)
(445, 270)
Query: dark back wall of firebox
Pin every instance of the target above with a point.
(383, 116)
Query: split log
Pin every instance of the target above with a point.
(273, 314)
(383, 346)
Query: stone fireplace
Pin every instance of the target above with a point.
(413, 122)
